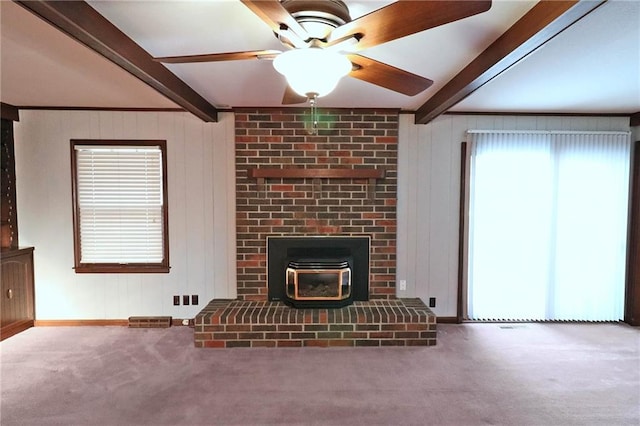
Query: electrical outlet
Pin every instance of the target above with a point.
(432, 302)
(403, 285)
(194, 299)
(176, 300)
(185, 299)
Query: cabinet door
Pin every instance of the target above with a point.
(16, 281)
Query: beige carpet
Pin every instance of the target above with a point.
(478, 374)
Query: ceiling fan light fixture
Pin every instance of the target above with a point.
(313, 70)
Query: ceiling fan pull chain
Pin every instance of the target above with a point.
(313, 122)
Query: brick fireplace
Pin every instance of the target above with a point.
(341, 182)
(347, 139)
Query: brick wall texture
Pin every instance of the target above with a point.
(351, 139)
(241, 323)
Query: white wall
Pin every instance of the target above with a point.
(201, 184)
(428, 195)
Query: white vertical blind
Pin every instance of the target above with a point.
(547, 225)
(119, 196)
(591, 221)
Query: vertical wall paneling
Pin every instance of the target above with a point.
(194, 215)
(458, 129)
(416, 216)
(429, 217)
(444, 211)
(201, 229)
(202, 197)
(208, 200)
(422, 228)
(178, 249)
(406, 211)
(225, 225)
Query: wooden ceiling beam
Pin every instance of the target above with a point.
(86, 25)
(9, 112)
(543, 22)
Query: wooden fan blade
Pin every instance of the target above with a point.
(404, 18)
(392, 78)
(292, 97)
(275, 15)
(217, 57)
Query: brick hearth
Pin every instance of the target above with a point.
(241, 323)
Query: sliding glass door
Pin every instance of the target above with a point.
(547, 225)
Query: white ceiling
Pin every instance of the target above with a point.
(592, 67)
(41, 66)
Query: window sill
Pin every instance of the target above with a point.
(121, 269)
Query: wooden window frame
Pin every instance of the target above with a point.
(160, 267)
(632, 290)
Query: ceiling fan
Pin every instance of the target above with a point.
(321, 40)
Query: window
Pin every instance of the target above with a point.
(120, 206)
(548, 225)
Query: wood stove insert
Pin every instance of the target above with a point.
(318, 272)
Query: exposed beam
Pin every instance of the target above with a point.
(543, 22)
(85, 24)
(9, 112)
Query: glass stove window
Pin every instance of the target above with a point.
(324, 284)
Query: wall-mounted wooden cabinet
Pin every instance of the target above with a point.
(17, 311)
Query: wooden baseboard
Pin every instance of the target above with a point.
(97, 323)
(15, 328)
(78, 323)
(447, 320)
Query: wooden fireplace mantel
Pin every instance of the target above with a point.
(371, 174)
(265, 173)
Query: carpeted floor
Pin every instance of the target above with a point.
(478, 374)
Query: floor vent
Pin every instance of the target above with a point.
(149, 322)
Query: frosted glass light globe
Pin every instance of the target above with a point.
(312, 70)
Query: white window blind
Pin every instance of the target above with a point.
(119, 196)
(548, 225)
